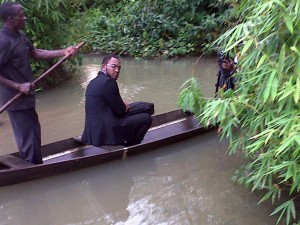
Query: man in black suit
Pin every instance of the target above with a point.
(108, 119)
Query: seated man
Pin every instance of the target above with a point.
(108, 119)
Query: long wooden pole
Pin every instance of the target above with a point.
(7, 104)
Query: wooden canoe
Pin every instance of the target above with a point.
(70, 154)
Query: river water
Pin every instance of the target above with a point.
(185, 183)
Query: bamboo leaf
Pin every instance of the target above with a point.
(298, 84)
(286, 143)
(191, 102)
(274, 88)
(281, 60)
(267, 91)
(289, 23)
(287, 92)
(295, 49)
(297, 139)
(296, 95)
(228, 94)
(186, 83)
(228, 48)
(232, 108)
(280, 4)
(287, 207)
(297, 90)
(280, 207)
(262, 59)
(293, 209)
(269, 135)
(266, 196)
(255, 146)
(246, 46)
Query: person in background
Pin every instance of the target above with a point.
(16, 76)
(227, 67)
(108, 119)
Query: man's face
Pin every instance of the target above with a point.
(112, 68)
(18, 20)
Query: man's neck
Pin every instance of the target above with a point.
(11, 29)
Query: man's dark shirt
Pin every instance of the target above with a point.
(15, 50)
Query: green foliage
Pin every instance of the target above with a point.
(46, 27)
(265, 105)
(153, 28)
(47, 21)
(190, 97)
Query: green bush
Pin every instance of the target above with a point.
(265, 106)
(154, 28)
(47, 28)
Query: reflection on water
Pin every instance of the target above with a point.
(186, 183)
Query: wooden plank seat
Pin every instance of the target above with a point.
(14, 162)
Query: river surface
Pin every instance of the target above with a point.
(185, 183)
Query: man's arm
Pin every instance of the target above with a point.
(114, 99)
(42, 54)
(23, 88)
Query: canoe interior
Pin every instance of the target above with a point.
(163, 126)
(161, 120)
(69, 154)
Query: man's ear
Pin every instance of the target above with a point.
(10, 19)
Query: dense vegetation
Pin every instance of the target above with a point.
(128, 27)
(261, 117)
(47, 28)
(151, 28)
(139, 28)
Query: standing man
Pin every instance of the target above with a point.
(109, 120)
(16, 76)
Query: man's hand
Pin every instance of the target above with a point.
(25, 88)
(126, 106)
(72, 50)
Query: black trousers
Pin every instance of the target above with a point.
(27, 131)
(140, 123)
(139, 117)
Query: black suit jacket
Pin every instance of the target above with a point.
(105, 122)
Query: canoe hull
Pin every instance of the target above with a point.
(86, 156)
